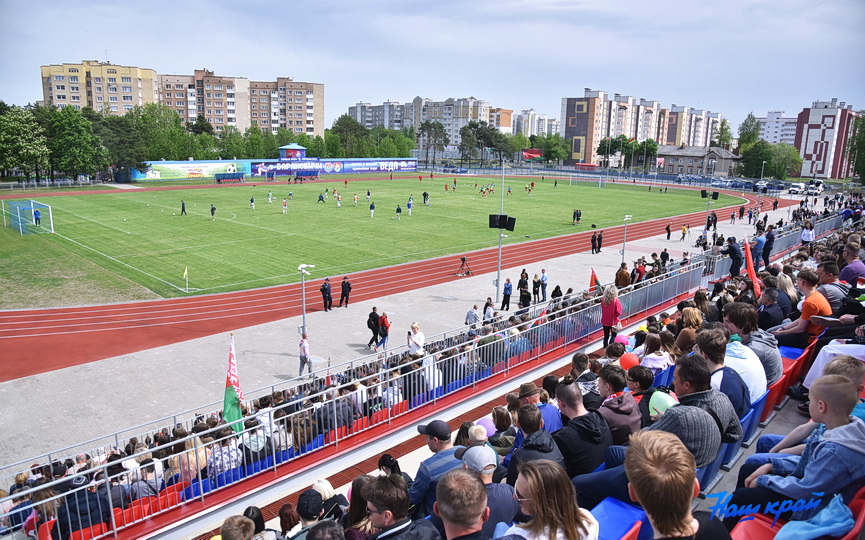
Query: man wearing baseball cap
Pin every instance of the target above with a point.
(500, 497)
(438, 439)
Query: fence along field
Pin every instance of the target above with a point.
(141, 235)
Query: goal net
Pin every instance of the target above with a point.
(28, 217)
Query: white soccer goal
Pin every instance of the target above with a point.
(28, 217)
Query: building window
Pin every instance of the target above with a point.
(112, 80)
(127, 98)
(126, 79)
(76, 98)
(265, 122)
(60, 87)
(217, 87)
(127, 107)
(207, 87)
(112, 89)
(690, 170)
(60, 77)
(99, 89)
(112, 99)
(126, 88)
(97, 80)
(73, 78)
(169, 103)
(114, 108)
(111, 71)
(99, 99)
(73, 70)
(218, 95)
(255, 115)
(178, 87)
(254, 100)
(681, 170)
(168, 86)
(178, 95)
(218, 120)
(219, 112)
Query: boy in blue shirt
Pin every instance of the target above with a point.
(833, 460)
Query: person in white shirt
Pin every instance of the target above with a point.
(415, 341)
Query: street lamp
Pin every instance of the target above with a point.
(501, 211)
(628, 217)
(761, 170)
(303, 273)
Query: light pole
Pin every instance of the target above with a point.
(303, 273)
(501, 211)
(761, 170)
(625, 237)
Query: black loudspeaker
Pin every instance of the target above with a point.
(494, 221)
(512, 221)
(714, 195)
(594, 226)
(703, 193)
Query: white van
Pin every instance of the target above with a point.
(797, 187)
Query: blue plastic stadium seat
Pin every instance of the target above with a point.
(790, 353)
(616, 518)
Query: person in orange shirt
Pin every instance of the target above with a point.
(800, 332)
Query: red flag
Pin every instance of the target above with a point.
(595, 283)
(231, 411)
(327, 377)
(631, 139)
(532, 154)
(749, 268)
(541, 317)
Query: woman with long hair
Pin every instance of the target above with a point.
(357, 525)
(462, 438)
(707, 308)
(544, 492)
(746, 292)
(654, 357)
(289, 520)
(668, 345)
(786, 285)
(611, 309)
(808, 233)
(536, 289)
(260, 532)
(389, 465)
(692, 320)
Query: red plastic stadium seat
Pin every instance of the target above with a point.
(44, 532)
(634, 532)
(88, 532)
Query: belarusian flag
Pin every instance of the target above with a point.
(231, 412)
(532, 154)
(595, 283)
(632, 139)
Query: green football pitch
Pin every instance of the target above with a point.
(140, 236)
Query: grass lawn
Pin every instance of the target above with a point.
(115, 241)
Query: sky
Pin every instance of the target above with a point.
(732, 57)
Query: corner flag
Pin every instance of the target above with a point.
(186, 272)
(231, 411)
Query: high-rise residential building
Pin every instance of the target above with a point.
(588, 120)
(390, 115)
(98, 85)
(452, 113)
(502, 119)
(526, 123)
(822, 133)
(775, 128)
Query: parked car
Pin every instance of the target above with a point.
(797, 188)
(814, 190)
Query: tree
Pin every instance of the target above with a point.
(647, 151)
(439, 138)
(76, 149)
(424, 137)
(332, 144)
(231, 144)
(753, 158)
(722, 136)
(388, 148)
(519, 142)
(351, 133)
(785, 160)
(856, 147)
(201, 125)
(160, 131)
(608, 147)
(749, 132)
(22, 142)
(468, 144)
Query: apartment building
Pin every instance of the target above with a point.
(588, 120)
(390, 114)
(775, 128)
(822, 133)
(98, 85)
(502, 119)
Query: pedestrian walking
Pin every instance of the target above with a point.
(372, 209)
(182, 208)
(372, 322)
(305, 359)
(669, 229)
(212, 212)
(575, 216)
(684, 233)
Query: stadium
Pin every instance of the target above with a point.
(128, 300)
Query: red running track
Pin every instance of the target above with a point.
(38, 341)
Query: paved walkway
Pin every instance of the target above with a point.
(67, 406)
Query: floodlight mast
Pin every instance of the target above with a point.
(303, 273)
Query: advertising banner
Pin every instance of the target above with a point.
(183, 170)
